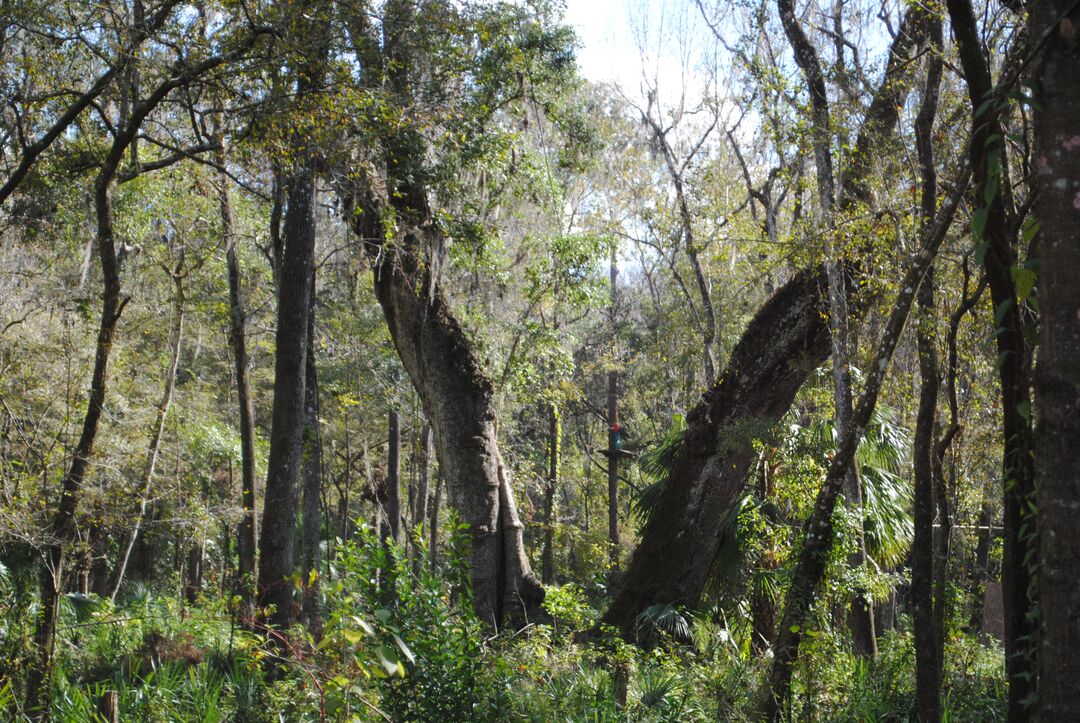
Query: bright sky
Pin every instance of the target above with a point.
(611, 33)
(608, 50)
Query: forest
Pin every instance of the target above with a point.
(364, 360)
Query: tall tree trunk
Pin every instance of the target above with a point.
(551, 484)
(312, 472)
(928, 651)
(176, 331)
(987, 153)
(63, 528)
(276, 554)
(247, 532)
(1057, 380)
(458, 399)
(436, 506)
(295, 270)
(193, 571)
(392, 502)
(784, 342)
(813, 557)
(614, 433)
(420, 506)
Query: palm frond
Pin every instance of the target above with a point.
(888, 522)
(656, 463)
(662, 617)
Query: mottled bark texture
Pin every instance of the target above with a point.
(928, 643)
(1056, 79)
(247, 534)
(992, 196)
(276, 554)
(786, 340)
(313, 482)
(458, 399)
(295, 267)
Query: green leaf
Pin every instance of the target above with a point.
(404, 648)
(1024, 280)
(1024, 409)
(1001, 310)
(1031, 227)
(978, 225)
(991, 189)
(389, 662)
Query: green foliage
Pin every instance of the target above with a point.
(395, 630)
(569, 607)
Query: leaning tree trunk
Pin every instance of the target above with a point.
(786, 340)
(458, 399)
(1057, 380)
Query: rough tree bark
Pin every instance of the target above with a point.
(247, 532)
(458, 399)
(551, 484)
(784, 342)
(312, 474)
(1057, 378)
(928, 651)
(276, 555)
(992, 192)
(295, 266)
